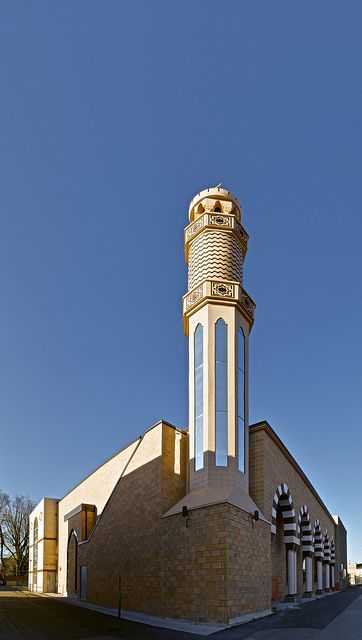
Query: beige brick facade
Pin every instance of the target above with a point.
(209, 570)
(224, 564)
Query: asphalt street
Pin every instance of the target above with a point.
(25, 616)
(312, 620)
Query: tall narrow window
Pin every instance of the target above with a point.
(199, 396)
(221, 393)
(35, 555)
(72, 562)
(241, 399)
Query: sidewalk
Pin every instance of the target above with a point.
(202, 629)
(347, 626)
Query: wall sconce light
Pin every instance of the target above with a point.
(185, 514)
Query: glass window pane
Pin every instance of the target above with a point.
(241, 452)
(199, 397)
(199, 391)
(221, 438)
(221, 341)
(221, 390)
(199, 461)
(221, 393)
(241, 381)
(241, 399)
(35, 547)
(241, 349)
(198, 346)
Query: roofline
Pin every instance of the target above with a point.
(140, 439)
(339, 522)
(168, 424)
(265, 426)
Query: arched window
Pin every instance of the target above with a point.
(221, 393)
(35, 554)
(199, 396)
(241, 399)
(72, 562)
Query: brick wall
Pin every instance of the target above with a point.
(216, 568)
(248, 570)
(221, 566)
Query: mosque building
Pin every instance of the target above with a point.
(212, 523)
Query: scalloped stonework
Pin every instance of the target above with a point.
(215, 255)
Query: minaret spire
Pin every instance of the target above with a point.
(218, 315)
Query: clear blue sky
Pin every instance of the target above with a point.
(112, 116)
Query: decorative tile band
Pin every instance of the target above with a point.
(218, 289)
(216, 220)
(194, 297)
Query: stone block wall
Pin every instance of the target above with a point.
(195, 565)
(124, 553)
(215, 568)
(221, 566)
(248, 564)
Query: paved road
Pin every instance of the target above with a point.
(30, 617)
(335, 617)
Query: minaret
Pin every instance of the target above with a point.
(218, 315)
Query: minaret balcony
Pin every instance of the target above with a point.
(217, 292)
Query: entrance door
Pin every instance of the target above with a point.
(83, 581)
(275, 588)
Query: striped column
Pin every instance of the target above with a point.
(292, 574)
(319, 577)
(333, 562)
(326, 562)
(318, 554)
(332, 577)
(308, 577)
(307, 548)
